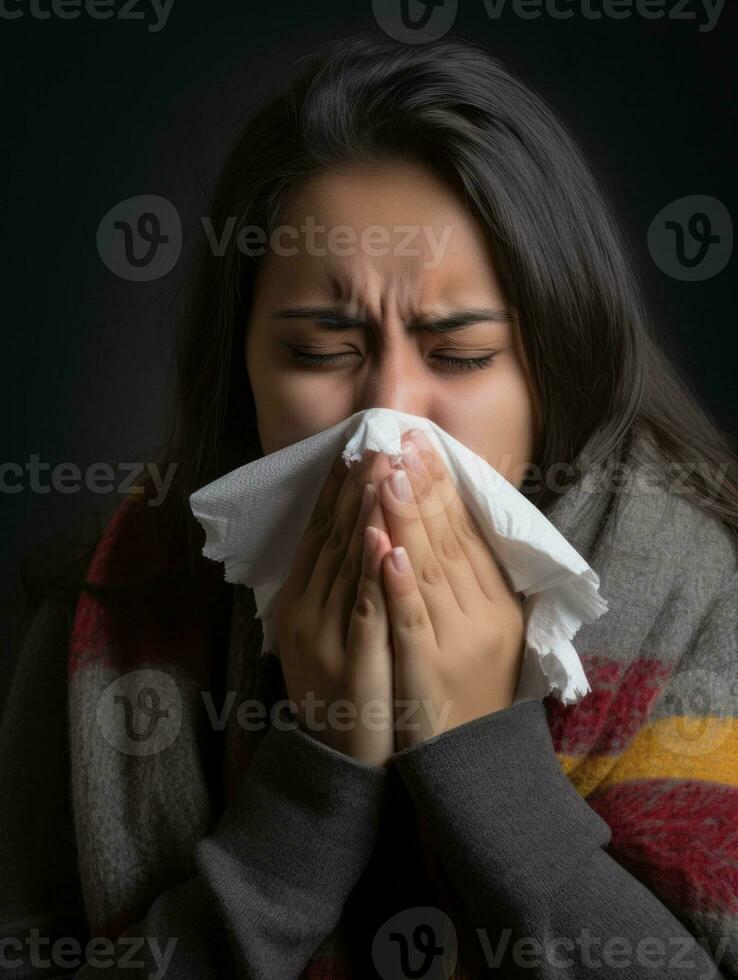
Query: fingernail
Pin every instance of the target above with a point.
(367, 499)
(371, 539)
(421, 440)
(413, 457)
(400, 559)
(400, 486)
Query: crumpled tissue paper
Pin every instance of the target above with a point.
(254, 518)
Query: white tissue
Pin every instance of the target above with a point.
(254, 518)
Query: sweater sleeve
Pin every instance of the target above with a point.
(527, 856)
(272, 876)
(275, 873)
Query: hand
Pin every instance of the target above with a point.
(457, 626)
(332, 620)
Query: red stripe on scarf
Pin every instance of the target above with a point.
(127, 635)
(680, 837)
(611, 715)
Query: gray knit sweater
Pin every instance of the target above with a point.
(536, 888)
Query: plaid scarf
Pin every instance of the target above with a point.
(653, 748)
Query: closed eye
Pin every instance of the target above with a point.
(454, 363)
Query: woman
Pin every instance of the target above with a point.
(496, 298)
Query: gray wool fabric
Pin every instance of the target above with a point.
(548, 828)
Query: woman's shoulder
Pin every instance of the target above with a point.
(38, 608)
(55, 568)
(706, 564)
(659, 495)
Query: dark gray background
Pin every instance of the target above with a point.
(99, 111)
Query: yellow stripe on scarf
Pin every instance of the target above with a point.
(680, 747)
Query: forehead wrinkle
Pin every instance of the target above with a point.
(409, 288)
(377, 287)
(347, 279)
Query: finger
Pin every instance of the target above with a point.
(316, 531)
(368, 626)
(342, 586)
(345, 517)
(343, 582)
(368, 647)
(407, 530)
(410, 621)
(491, 579)
(441, 534)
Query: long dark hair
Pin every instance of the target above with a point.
(598, 368)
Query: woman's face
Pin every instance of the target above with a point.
(375, 259)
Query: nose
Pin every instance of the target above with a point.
(397, 378)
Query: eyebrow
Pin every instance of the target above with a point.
(455, 320)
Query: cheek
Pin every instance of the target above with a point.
(287, 415)
(285, 408)
(510, 428)
(292, 405)
(497, 423)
